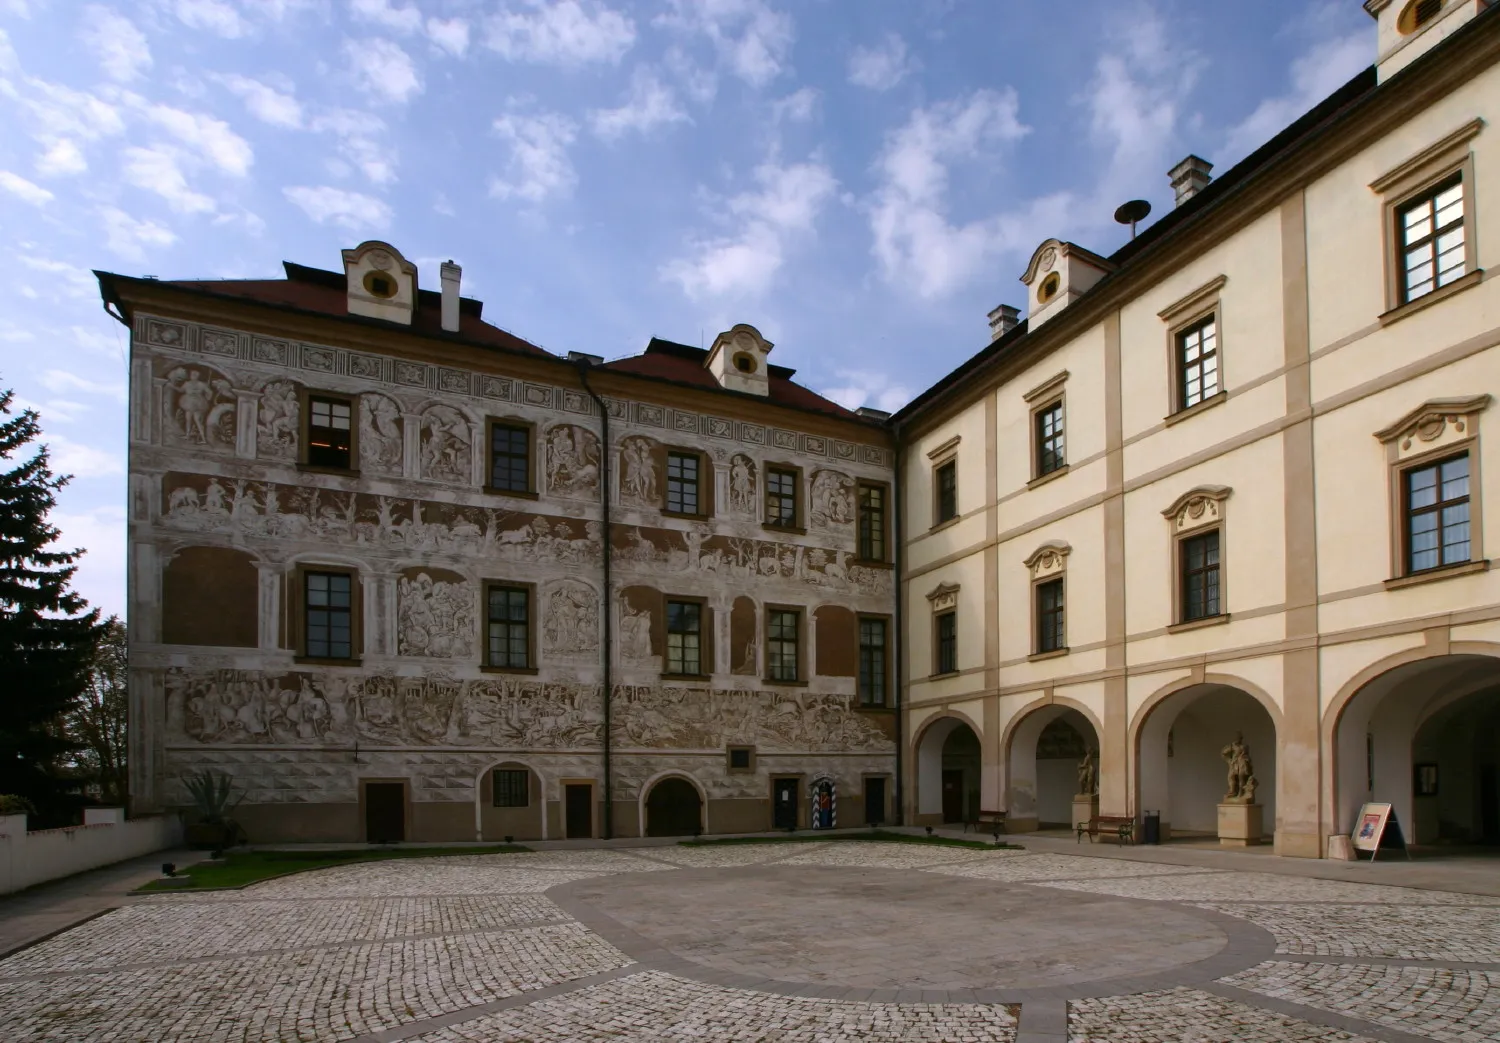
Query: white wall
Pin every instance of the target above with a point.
(1055, 782)
(105, 837)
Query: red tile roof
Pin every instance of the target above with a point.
(683, 364)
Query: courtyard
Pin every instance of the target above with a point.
(772, 941)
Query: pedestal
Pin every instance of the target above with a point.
(1341, 848)
(1085, 807)
(1240, 824)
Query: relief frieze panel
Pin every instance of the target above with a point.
(572, 461)
(229, 707)
(570, 621)
(380, 434)
(446, 445)
(831, 502)
(277, 420)
(198, 407)
(434, 614)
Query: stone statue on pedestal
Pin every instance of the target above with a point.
(1088, 775)
(1241, 772)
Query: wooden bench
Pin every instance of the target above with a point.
(1121, 827)
(994, 820)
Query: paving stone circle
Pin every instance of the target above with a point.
(829, 941)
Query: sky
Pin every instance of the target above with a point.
(862, 180)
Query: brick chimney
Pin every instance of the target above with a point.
(450, 274)
(1002, 320)
(1190, 177)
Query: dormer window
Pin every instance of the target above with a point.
(737, 360)
(1049, 288)
(1417, 14)
(1058, 274)
(744, 362)
(378, 284)
(382, 283)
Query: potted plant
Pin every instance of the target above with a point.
(213, 801)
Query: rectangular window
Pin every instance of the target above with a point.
(1050, 635)
(946, 479)
(684, 637)
(872, 522)
(508, 616)
(1049, 439)
(872, 662)
(1436, 498)
(740, 758)
(1200, 576)
(946, 626)
(329, 438)
(1197, 363)
(783, 632)
(781, 498)
(328, 615)
(510, 458)
(1432, 239)
(682, 483)
(512, 787)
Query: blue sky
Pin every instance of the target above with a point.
(863, 181)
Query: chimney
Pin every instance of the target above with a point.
(1002, 320)
(450, 274)
(1190, 177)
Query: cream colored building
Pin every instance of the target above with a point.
(1229, 480)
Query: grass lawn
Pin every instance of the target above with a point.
(246, 867)
(877, 835)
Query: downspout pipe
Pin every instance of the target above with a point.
(607, 601)
(899, 541)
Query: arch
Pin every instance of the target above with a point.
(1183, 782)
(539, 797)
(670, 773)
(928, 749)
(1022, 796)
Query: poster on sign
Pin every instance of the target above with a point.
(1369, 826)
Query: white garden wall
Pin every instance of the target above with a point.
(105, 837)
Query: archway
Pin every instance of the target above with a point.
(1424, 737)
(1180, 762)
(1042, 760)
(674, 808)
(948, 758)
(509, 801)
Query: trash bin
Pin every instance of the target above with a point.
(1151, 827)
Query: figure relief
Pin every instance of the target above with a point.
(198, 408)
(1241, 772)
(1088, 775)
(742, 481)
(445, 445)
(831, 500)
(635, 632)
(570, 624)
(380, 438)
(572, 460)
(434, 617)
(276, 424)
(638, 478)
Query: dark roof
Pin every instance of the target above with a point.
(316, 290)
(1314, 122)
(683, 364)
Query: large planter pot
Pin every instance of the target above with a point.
(210, 836)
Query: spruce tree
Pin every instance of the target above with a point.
(47, 632)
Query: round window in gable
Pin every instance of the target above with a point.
(744, 362)
(379, 284)
(1416, 14)
(1049, 287)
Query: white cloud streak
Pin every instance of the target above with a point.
(26, 191)
(265, 102)
(751, 39)
(336, 206)
(383, 68)
(539, 166)
(566, 33)
(649, 104)
(129, 237)
(880, 67)
(120, 47)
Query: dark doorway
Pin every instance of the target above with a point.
(673, 809)
(953, 795)
(385, 812)
(578, 801)
(874, 801)
(1489, 804)
(784, 813)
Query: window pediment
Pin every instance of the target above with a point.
(943, 597)
(1433, 424)
(1197, 508)
(1048, 559)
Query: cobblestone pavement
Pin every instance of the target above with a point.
(824, 941)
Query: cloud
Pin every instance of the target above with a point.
(867, 388)
(101, 571)
(567, 33)
(24, 190)
(215, 16)
(351, 210)
(383, 68)
(159, 170)
(63, 157)
(798, 107)
(357, 133)
(1316, 73)
(750, 38)
(451, 34)
(265, 102)
(72, 279)
(880, 67)
(539, 165)
(650, 104)
(120, 47)
(130, 238)
(404, 19)
(59, 381)
(914, 243)
(81, 460)
(210, 136)
(786, 205)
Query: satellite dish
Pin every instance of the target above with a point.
(1131, 212)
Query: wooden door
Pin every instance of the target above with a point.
(385, 812)
(874, 801)
(953, 795)
(784, 809)
(578, 810)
